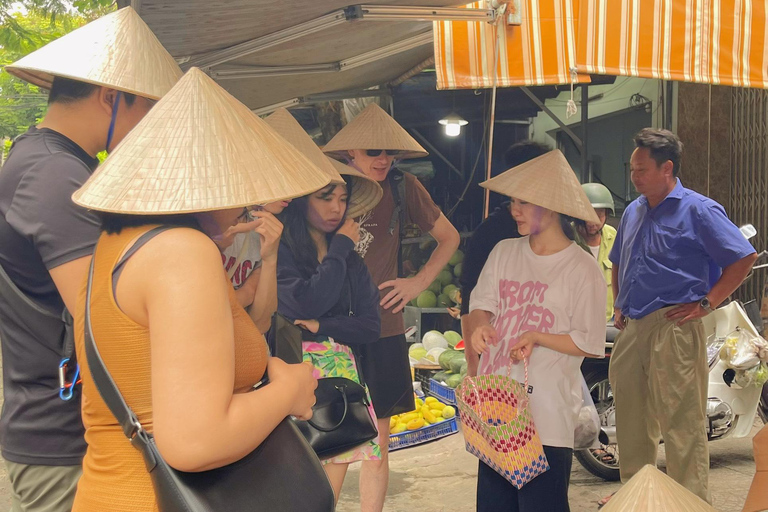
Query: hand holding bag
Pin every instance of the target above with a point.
(281, 474)
(340, 418)
(498, 427)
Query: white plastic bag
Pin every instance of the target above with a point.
(588, 423)
(743, 351)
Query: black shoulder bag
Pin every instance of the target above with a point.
(282, 474)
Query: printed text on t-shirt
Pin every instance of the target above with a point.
(520, 311)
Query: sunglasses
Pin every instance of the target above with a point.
(377, 152)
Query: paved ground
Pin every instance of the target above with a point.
(440, 477)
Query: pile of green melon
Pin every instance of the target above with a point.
(444, 292)
(454, 368)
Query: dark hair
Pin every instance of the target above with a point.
(114, 223)
(520, 152)
(662, 144)
(296, 231)
(65, 90)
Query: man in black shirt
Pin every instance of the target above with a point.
(103, 78)
(497, 227)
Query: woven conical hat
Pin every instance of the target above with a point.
(118, 51)
(374, 129)
(650, 490)
(289, 128)
(546, 181)
(366, 192)
(199, 149)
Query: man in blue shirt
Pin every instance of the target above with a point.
(675, 258)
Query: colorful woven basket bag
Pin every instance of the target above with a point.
(498, 427)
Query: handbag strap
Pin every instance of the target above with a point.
(101, 377)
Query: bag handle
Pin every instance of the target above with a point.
(343, 390)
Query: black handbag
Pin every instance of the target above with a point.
(340, 418)
(281, 474)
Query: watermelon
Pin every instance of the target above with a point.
(463, 369)
(457, 362)
(445, 359)
(452, 337)
(441, 376)
(454, 380)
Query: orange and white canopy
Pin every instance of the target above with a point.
(721, 42)
(539, 51)
(709, 41)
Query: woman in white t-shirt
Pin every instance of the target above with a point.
(540, 297)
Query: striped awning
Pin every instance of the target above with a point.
(709, 41)
(540, 51)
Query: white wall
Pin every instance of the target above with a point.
(616, 97)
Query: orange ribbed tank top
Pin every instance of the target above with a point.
(114, 477)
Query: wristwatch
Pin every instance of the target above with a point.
(705, 305)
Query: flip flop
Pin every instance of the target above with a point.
(604, 501)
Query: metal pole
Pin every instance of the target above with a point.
(584, 133)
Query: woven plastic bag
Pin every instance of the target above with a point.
(498, 427)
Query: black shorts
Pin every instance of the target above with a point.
(387, 372)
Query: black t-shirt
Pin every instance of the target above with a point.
(497, 227)
(40, 229)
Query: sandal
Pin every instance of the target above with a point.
(602, 502)
(603, 456)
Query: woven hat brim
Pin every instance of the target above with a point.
(650, 490)
(118, 51)
(199, 149)
(289, 128)
(366, 193)
(373, 128)
(547, 181)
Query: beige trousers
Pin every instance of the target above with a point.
(42, 488)
(658, 373)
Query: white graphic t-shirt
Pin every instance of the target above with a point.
(562, 293)
(242, 257)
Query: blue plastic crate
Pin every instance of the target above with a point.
(442, 392)
(423, 435)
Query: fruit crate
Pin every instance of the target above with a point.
(442, 392)
(423, 435)
(423, 373)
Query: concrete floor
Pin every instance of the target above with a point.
(440, 477)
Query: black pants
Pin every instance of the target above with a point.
(548, 492)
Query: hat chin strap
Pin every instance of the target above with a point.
(111, 131)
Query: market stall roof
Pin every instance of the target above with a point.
(266, 52)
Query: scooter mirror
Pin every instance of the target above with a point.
(748, 230)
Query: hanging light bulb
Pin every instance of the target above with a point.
(453, 123)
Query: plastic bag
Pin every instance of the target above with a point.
(588, 423)
(755, 376)
(743, 351)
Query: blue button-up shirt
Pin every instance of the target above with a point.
(673, 253)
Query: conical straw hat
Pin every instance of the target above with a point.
(650, 490)
(366, 192)
(757, 498)
(374, 129)
(289, 128)
(118, 51)
(546, 181)
(199, 149)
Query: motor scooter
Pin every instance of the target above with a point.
(730, 408)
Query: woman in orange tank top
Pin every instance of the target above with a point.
(182, 351)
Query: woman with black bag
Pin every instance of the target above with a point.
(324, 286)
(161, 318)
